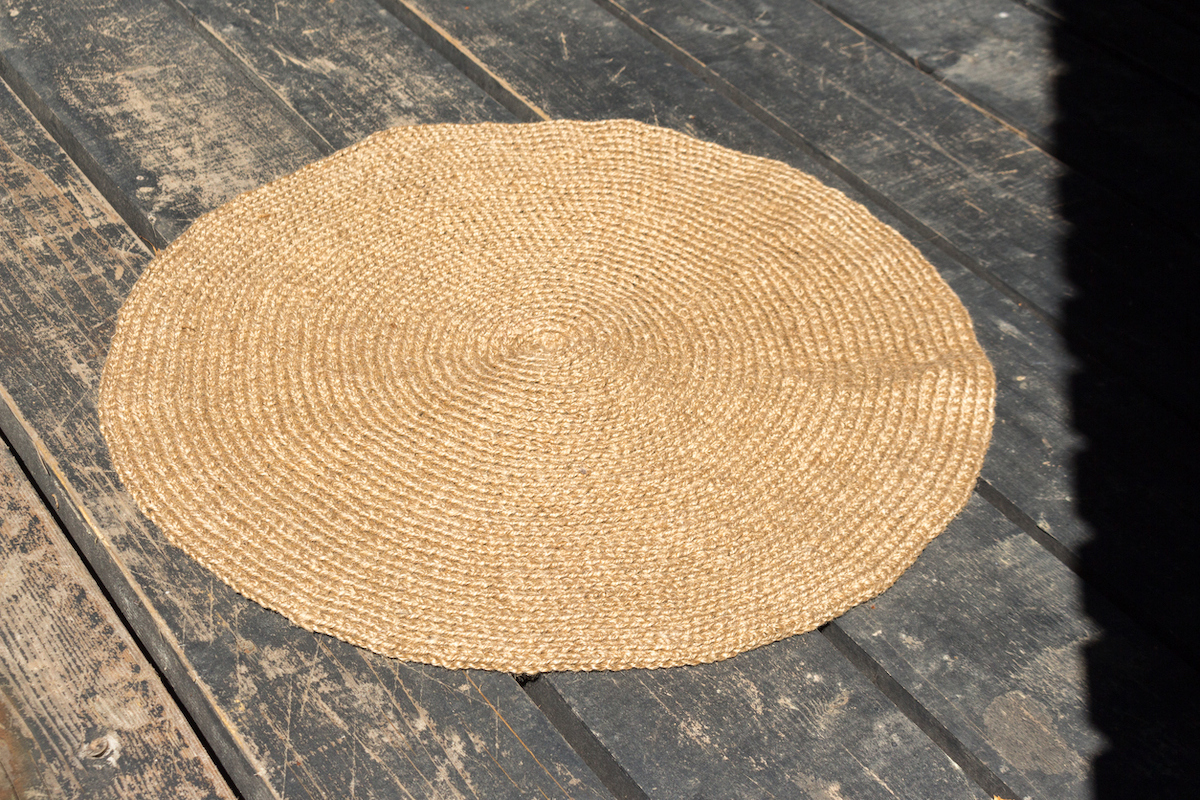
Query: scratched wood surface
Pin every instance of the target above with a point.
(170, 107)
(82, 712)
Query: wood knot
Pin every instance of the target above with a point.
(106, 747)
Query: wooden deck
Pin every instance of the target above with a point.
(1043, 155)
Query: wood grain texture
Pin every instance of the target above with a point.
(337, 65)
(997, 51)
(1007, 58)
(124, 73)
(82, 712)
(990, 634)
(784, 720)
(289, 713)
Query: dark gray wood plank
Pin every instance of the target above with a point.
(337, 65)
(784, 720)
(997, 51)
(289, 713)
(82, 712)
(1002, 644)
(123, 74)
(1023, 67)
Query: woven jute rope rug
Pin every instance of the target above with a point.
(546, 397)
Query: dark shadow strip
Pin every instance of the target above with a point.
(1095, 36)
(967, 761)
(581, 739)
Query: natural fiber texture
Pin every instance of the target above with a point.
(551, 396)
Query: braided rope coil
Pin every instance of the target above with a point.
(555, 396)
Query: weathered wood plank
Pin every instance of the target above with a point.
(120, 75)
(82, 712)
(289, 713)
(336, 65)
(997, 51)
(779, 721)
(1010, 59)
(993, 636)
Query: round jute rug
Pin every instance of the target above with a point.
(554, 396)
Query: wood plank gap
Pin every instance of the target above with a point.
(795, 138)
(1026, 523)
(126, 208)
(581, 739)
(50, 507)
(967, 761)
(457, 54)
(135, 610)
(237, 62)
(985, 108)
